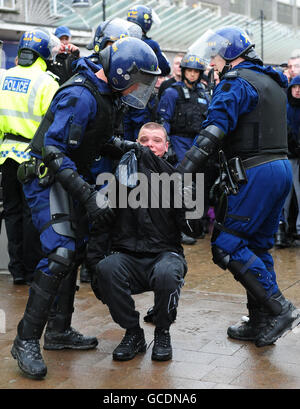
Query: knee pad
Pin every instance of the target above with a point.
(220, 257)
(60, 261)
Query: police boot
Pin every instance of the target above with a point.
(26, 348)
(281, 240)
(278, 324)
(282, 315)
(59, 334)
(249, 329)
(162, 348)
(132, 343)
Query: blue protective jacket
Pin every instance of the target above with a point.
(226, 107)
(67, 109)
(166, 112)
(163, 63)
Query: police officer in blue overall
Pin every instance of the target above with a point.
(246, 120)
(183, 106)
(144, 17)
(77, 125)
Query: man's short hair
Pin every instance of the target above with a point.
(154, 125)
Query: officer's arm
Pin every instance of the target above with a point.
(207, 143)
(54, 152)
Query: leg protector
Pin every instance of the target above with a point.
(42, 294)
(63, 307)
(254, 287)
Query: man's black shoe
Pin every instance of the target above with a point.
(69, 339)
(187, 239)
(85, 274)
(162, 349)
(28, 355)
(19, 280)
(279, 324)
(132, 343)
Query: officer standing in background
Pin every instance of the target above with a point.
(183, 106)
(247, 118)
(182, 109)
(25, 95)
(176, 74)
(77, 125)
(144, 17)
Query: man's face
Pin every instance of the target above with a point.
(64, 40)
(218, 63)
(154, 139)
(295, 91)
(191, 74)
(176, 67)
(294, 67)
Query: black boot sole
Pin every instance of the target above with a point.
(261, 342)
(15, 355)
(161, 358)
(59, 347)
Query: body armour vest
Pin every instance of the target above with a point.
(190, 111)
(263, 130)
(97, 133)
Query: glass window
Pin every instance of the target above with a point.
(265, 5)
(237, 6)
(7, 4)
(284, 13)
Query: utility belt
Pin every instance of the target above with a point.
(32, 168)
(261, 159)
(232, 172)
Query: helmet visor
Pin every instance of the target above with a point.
(139, 96)
(54, 46)
(209, 45)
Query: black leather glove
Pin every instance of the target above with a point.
(98, 209)
(171, 156)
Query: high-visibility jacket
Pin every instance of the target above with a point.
(25, 95)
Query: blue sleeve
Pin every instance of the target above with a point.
(166, 107)
(73, 106)
(230, 100)
(163, 63)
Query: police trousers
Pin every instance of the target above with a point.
(252, 219)
(121, 275)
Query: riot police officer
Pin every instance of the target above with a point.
(26, 93)
(183, 106)
(144, 17)
(247, 119)
(72, 134)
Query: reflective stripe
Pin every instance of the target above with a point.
(31, 103)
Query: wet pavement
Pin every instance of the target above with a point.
(203, 356)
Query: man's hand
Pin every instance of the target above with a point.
(69, 49)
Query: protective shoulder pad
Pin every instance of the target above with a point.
(231, 75)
